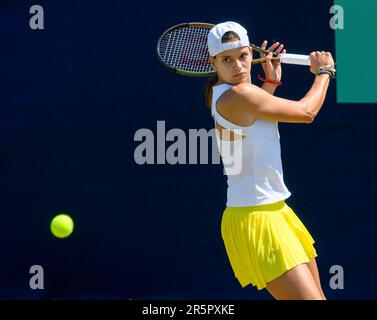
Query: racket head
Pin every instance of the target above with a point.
(183, 49)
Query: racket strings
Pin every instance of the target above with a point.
(186, 49)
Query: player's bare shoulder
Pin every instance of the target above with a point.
(241, 89)
(241, 95)
(238, 104)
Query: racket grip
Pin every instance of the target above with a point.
(299, 59)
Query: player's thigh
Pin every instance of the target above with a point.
(312, 265)
(295, 284)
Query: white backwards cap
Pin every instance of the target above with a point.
(216, 33)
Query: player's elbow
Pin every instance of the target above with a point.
(309, 117)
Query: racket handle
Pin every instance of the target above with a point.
(288, 58)
(299, 59)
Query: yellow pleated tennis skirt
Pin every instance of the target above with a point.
(263, 242)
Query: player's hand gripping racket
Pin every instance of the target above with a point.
(183, 49)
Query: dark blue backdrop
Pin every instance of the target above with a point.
(73, 96)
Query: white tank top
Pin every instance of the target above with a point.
(252, 164)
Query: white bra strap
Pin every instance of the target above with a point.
(219, 118)
(227, 124)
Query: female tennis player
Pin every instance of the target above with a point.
(266, 243)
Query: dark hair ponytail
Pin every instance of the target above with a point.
(208, 90)
(227, 37)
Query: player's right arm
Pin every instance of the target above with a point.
(244, 103)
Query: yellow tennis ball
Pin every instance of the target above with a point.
(61, 226)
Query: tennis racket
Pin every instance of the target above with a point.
(183, 49)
